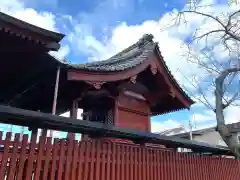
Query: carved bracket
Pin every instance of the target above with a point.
(133, 79)
(172, 94)
(95, 84)
(153, 68)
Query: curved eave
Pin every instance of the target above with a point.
(173, 80)
(168, 111)
(106, 76)
(56, 37)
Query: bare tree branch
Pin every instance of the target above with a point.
(230, 18)
(206, 15)
(217, 69)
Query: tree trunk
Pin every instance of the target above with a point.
(229, 138)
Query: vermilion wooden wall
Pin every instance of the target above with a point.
(98, 160)
(132, 113)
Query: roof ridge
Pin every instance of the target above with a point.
(143, 44)
(146, 38)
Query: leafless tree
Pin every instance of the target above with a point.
(219, 69)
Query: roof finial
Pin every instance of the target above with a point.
(145, 38)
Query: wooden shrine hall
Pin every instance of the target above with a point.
(118, 96)
(124, 90)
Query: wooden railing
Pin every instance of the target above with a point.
(35, 120)
(99, 160)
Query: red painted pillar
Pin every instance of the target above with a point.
(73, 114)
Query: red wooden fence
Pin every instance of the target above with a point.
(98, 160)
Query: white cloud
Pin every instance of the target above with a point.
(17, 9)
(157, 127)
(171, 41)
(61, 53)
(232, 114)
(171, 44)
(203, 117)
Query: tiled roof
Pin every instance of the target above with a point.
(197, 132)
(234, 127)
(57, 37)
(128, 58)
(173, 131)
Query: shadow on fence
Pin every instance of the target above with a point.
(98, 160)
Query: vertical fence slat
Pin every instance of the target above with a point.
(3, 167)
(86, 160)
(68, 158)
(213, 168)
(131, 163)
(81, 159)
(54, 159)
(195, 168)
(158, 169)
(114, 164)
(47, 159)
(179, 164)
(118, 163)
(108, 161)
(75, 159)
(1, 145)
(22, 157)
(151, 164)
(144, 162)
(139, 157)
(230, 169)
(122, 163)
(136, 175)
(217, 168)
(127, 161)
(221, 175)
(175, 165)
(207, 168)
(92, 162)
(98, 151)
(39, 157)
(156, 166)
(13, 158)
(170, 164)
(103, 166)
(188, 172)
(61, 159)
(30, 158)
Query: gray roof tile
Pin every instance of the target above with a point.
(128, 58)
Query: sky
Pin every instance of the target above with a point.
(97, 29)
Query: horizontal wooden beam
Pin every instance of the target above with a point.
(34, 119)
(53, 46)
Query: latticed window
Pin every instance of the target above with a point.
(105, 117)
(109, 118)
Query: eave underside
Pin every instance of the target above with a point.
(154, 83)
(27, 81)
(24, 28)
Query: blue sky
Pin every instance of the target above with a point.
(97, 29)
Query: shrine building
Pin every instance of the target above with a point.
(125, 90)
